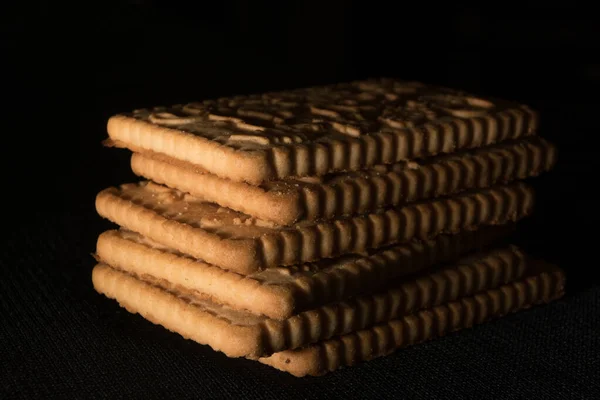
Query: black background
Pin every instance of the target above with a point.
(67, 67)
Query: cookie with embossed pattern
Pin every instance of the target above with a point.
(315, 131)
(349, 193)
(242, 334)
(281, 292)
(238, 242)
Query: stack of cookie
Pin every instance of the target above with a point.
(317, 228)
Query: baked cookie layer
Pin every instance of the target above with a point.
(281, 292)
(240, 243)
(315, 131)
(364, 345)
(350, 193)
(241, 334)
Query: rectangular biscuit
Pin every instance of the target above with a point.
(241, 334)
(349, 193)
(281, 292)
(314, 131)
(424, 325)
(237, 242)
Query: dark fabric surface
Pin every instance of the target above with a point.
(67, 67)
(58, 338)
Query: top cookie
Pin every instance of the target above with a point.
(313, 131)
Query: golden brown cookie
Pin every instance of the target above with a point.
(281, 292)
(315, 131)
(240, 243)
(350, 193)
(242, 334)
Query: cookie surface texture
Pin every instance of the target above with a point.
(314, 131)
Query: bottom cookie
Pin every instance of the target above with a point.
(543, 283)
(241, 334)
(364, 345)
